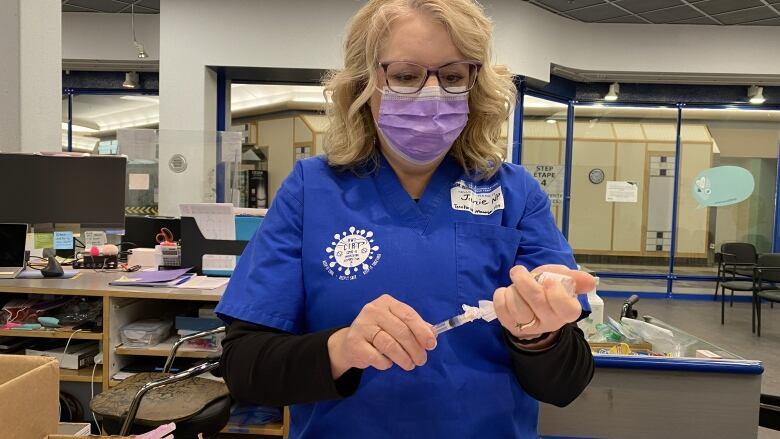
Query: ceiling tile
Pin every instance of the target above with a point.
(697, 20)
(770, 22)
(671, 14)
(567, 5)
(719, 6)
(648, 5)
(596, 13)
(151, 4)
(69, 8)
(624, 19)
(746, 15)
(99, 5)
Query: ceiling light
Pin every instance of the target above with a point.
(756, 95)
(131, 80)
(141, 51)
(78, 128)
(551, 121)
(150, 99)
(614, 89)
(138, 46)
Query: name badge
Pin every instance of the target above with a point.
(479, 200)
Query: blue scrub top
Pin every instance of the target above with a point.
(334, 241)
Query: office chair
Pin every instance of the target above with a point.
(735, 259)
(146, 400)
(768, 269)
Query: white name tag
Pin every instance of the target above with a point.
(479, 200)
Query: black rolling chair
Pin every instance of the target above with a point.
(767, 270)
(197, 405)
(735, 259)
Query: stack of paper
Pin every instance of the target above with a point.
(165, 278)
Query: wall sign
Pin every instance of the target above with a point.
(596, 176)
(550, 177)
(622, 192)
(722, 186)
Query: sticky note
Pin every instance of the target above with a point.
(94, 238)
(138, 182)
(44, 240)
(63, 240)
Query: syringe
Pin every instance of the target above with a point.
(486, 312)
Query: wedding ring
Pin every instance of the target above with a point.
(524, 326)
(375, 334)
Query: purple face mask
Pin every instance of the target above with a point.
(421, 127)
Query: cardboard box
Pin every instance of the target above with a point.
(74, 428)
(29, 396)
(78, 356)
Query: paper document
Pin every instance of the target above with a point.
(622, 192)
(204, 283)
(215, 221)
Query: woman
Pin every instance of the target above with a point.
(410, 214)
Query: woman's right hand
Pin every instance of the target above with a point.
(385, 332)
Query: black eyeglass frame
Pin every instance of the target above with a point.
(430, 71)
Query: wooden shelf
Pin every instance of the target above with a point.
(53, 334)
(270, 429)
(83, 375)
(161, 350)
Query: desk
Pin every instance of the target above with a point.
(637, 397)
(121, 305)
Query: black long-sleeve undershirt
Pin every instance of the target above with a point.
(265, 366)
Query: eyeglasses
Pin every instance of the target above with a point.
(409, 78)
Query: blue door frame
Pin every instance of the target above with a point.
(670, 276)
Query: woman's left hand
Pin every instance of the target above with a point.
(527, 309)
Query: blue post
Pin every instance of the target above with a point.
(567, 164)
(70, 122)
(221, 105)
(517, 127)
(672, 248)
(776, 229)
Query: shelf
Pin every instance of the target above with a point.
(162, 350)
(53, 334)
(270, 429)
(83, 375)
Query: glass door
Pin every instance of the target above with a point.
(622, 184)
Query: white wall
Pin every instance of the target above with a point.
(308, 34)
(94, 36)
(30, 76)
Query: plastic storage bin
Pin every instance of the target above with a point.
(143, 333)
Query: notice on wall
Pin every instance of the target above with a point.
(622, 192)
(138, 182)
(44, 240)
(550, 177)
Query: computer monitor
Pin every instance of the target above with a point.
(12, 242)
(40, 189)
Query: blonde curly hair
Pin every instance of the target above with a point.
(351, 137)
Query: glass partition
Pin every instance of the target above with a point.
(169, 167)
(544, 147)
(622, 182)
(727, 188)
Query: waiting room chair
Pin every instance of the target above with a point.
(735, 259)
(146, 400)
(767, 270)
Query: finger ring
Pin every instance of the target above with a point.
(524, 326)
(375, 334)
